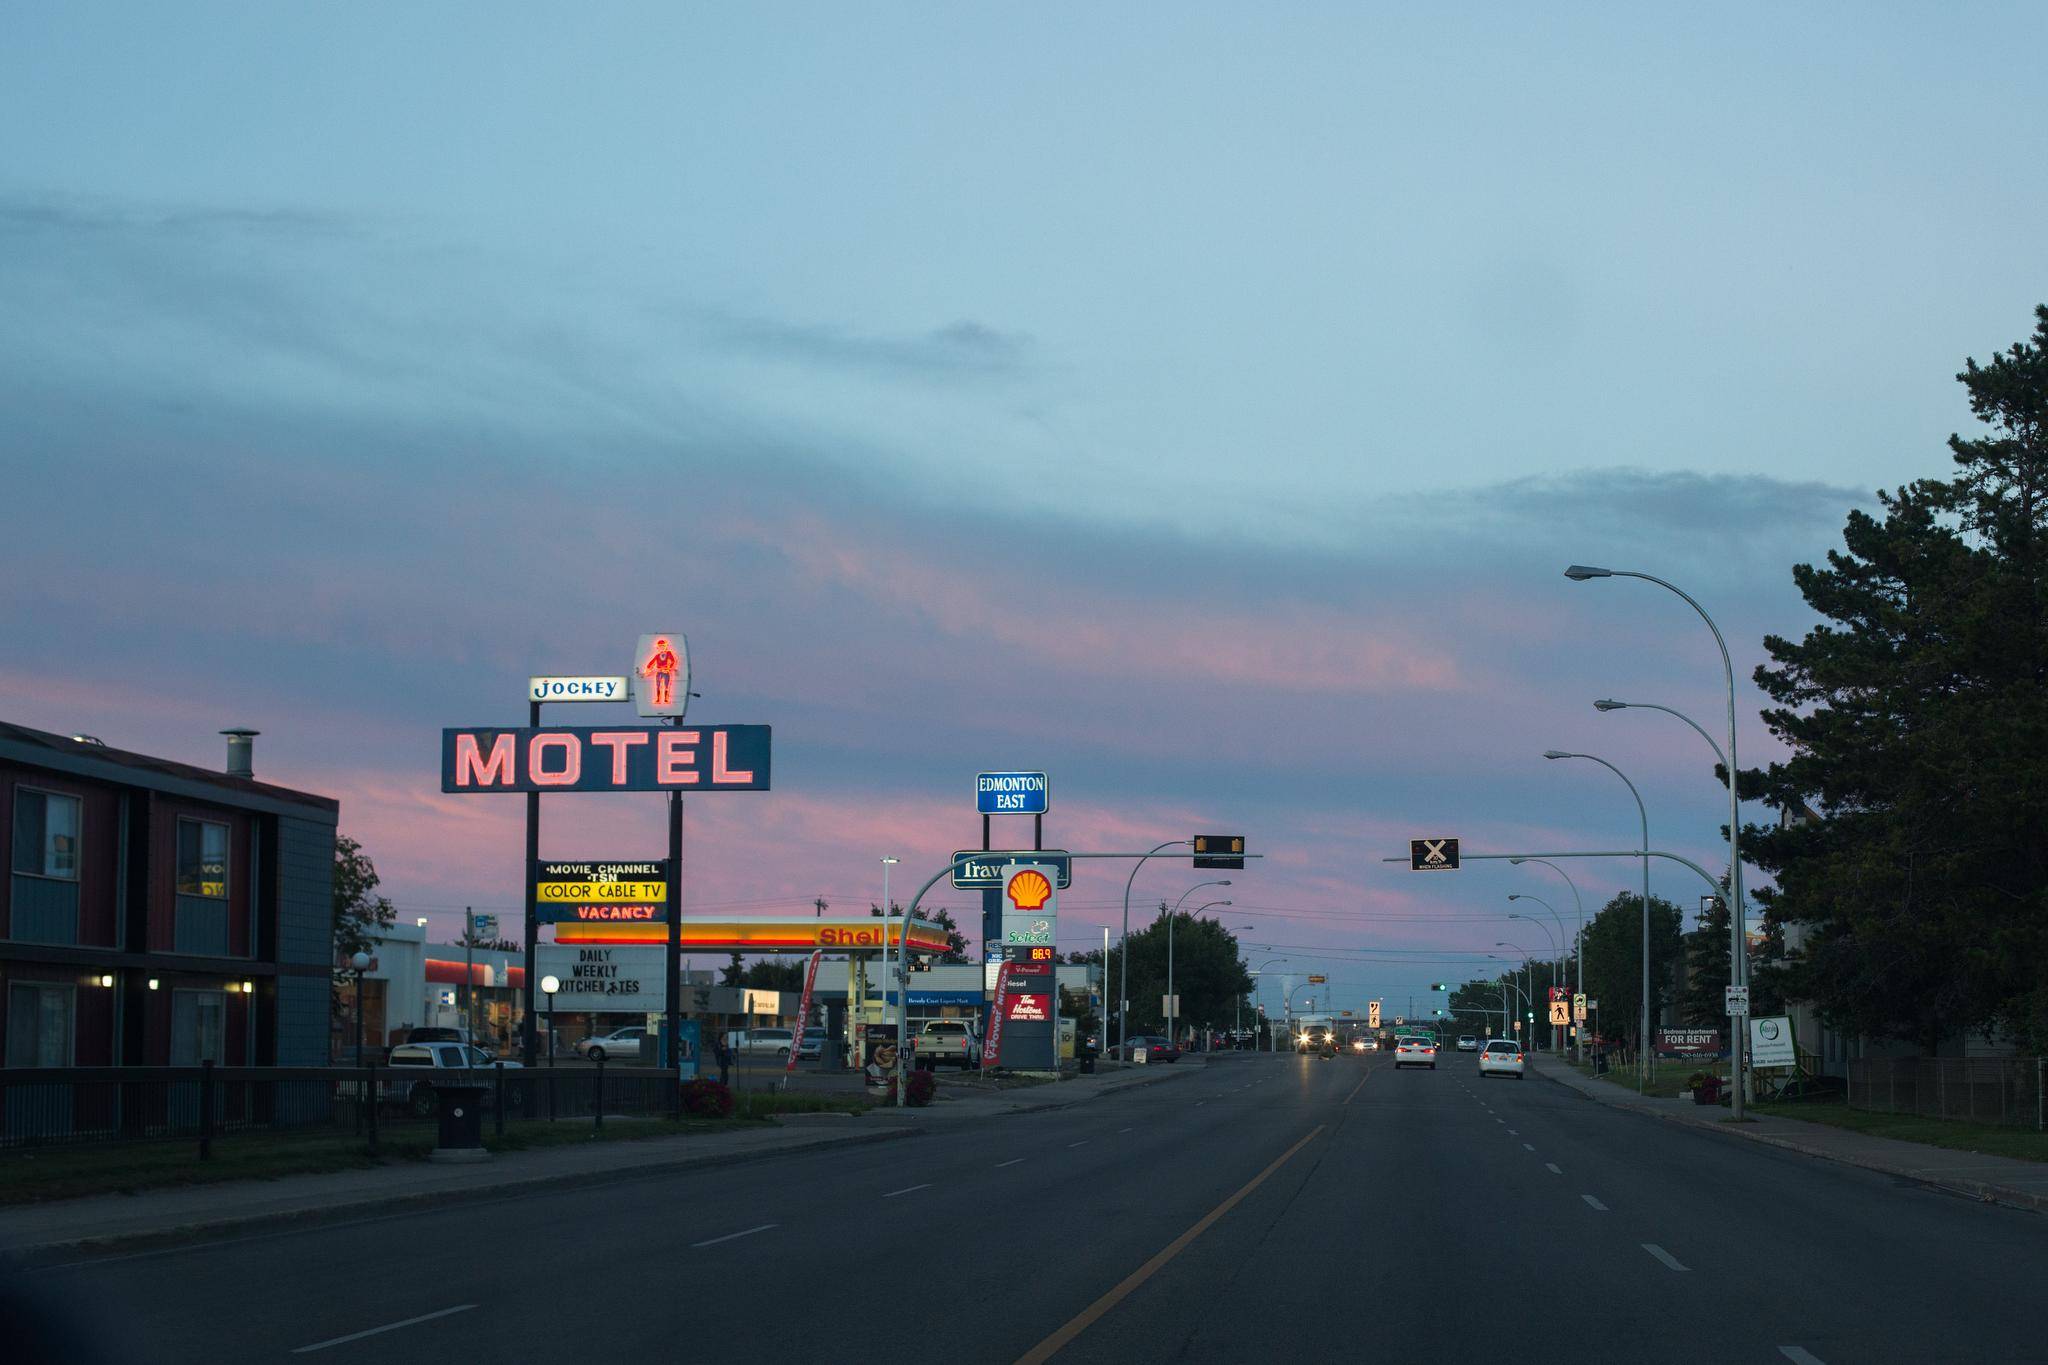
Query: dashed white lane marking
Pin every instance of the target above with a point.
(1528, 1146)
(1799, 1355)
(733, 1236)
(912, 1189)
(1011, 1162)
(1594, 1202)
(1553, 1168)
(1082, 1143)
(1513, 1133)
(378, 1331)
(1123, 1130)
(1670, 1261)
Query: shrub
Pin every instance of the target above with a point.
(707, 1099)
(919, 1089)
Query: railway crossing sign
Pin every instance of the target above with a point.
(1433, 855)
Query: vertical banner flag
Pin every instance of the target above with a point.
(803, 1012)
(993, 1053)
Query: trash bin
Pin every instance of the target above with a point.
(462, 1123)
(1087, 1061)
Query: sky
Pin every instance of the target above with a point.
(1197, 404)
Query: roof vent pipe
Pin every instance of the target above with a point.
(241, 752)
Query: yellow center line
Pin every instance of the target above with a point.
(1087, 1317)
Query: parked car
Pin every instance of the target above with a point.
(1467, 1043)
(620, 1045)
(1155, 1049)
(1501, 1057)
(950, 1042)
(1416, 1049)
(417, 1091)
(775, 1042)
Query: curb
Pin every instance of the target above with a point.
(1978, 1191)
(43, 1254)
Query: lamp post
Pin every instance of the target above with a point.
(1643, 1041)
(1738, 952)
(1123, 979)
(548, 986)
(1578, 956)
(1562, 938)
(359, 963)
(1173, 1018)
(1522, 995)
(887, 863)
(1260, 970)
(1556, 948)
(1171, 916)
(1528, 989)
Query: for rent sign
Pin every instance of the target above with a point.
(694, 758)
(1689, 1042)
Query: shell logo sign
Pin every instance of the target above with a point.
(1029, 889)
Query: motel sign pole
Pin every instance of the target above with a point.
(674, 957)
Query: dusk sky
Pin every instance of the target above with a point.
(1198, 403)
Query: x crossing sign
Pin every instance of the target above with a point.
(1433, 855)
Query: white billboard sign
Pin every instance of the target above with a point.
(1770, 1041)
(604, 980)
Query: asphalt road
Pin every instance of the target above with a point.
(1262, 1208)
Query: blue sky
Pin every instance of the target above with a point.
(1198, 403)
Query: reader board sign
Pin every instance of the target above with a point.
(980, 870)
(625, 758)
(597, 980)
(601, 893)
(1011, 794)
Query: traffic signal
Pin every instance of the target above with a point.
(1439, 985)
(1224, 851)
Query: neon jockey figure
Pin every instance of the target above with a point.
(661, 667)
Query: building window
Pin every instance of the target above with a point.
(46, 834)
(198, 1027)
(203, 859)
(39, 1024)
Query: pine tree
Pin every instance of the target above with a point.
(1917, 716)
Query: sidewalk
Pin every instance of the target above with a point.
(178, 1214)
(1992, 1179)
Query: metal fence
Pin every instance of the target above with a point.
(1999, 1090)
(82, 1106)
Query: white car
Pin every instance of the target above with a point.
(1415, 1049)
(1468, 1044)
(620, 1045)
(1501, 1057)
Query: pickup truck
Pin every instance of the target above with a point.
(444, 1062)
(948, 1041)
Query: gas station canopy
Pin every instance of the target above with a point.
(867, 934)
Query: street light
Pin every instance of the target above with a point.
(1554, 948)
(1173, 1014)
(1643, 1041)
(1529, 991)
(548, 986)
(1260, 971)
(1123, 967)
(360, 963)
(1562, 937)
(1738, 951)
(1579, 956)
(1509, 982)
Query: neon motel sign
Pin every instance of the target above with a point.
(606, 759)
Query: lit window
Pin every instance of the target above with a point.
(46, 834)
(202, 859)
